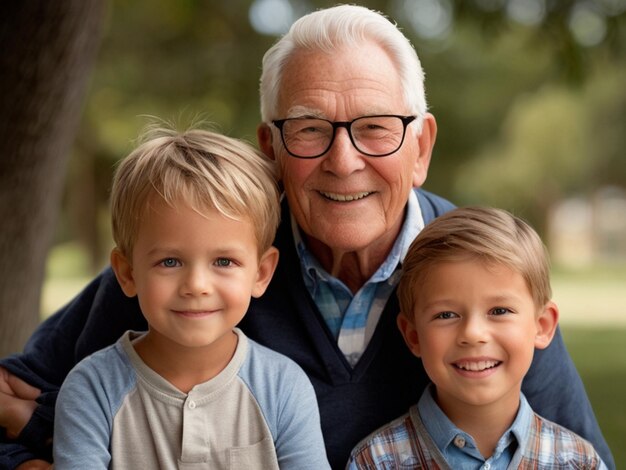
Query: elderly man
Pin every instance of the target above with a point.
(344, 116)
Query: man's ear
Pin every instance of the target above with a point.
(265, 138)
(409, 333)
(547, 322)
(426, 142)
(267, 266)
(123, 272)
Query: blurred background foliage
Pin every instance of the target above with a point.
(529, 95)
(530, 100)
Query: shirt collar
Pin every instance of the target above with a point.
(523, 421)
(443, 431)
(438, 425)
(412, 225)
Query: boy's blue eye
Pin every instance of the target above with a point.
(169, 262)
(223, 262)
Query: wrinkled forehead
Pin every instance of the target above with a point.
(340, 86)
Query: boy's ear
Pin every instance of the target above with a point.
(547, 322)
(267, 266)
(123, 272)
(409, 333)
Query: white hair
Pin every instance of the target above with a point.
(344, 25)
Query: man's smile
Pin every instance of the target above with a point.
(345, 197)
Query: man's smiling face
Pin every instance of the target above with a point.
(344, 199)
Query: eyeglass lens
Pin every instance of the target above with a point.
(374, 135)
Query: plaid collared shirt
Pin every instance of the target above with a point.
(352, 319)
(405, 444)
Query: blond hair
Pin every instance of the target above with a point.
(200, 168)
(492, 236)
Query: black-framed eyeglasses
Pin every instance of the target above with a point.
(374, 136)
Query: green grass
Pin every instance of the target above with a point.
(67, 273)
(600, 357)
(592, 298)
(592, 304)
(67, 261)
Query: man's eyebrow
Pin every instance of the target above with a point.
(304, 111)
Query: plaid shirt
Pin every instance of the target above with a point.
(352, 319)
(406, 444)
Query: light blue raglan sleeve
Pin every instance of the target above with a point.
(289, 404)
(299, 442)
(86, 406)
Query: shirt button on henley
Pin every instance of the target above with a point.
(192, 405)
(459, 441)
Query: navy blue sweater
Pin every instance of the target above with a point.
(353, 402)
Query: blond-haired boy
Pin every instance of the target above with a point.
(475, 302)
(194, 215)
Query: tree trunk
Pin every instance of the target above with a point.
(48, 49)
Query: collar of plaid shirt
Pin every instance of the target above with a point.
(459, 448)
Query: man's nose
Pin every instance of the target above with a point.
(342, 157)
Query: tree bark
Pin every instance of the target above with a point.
(48, 49)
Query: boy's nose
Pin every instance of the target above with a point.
(197, 282)
(473, 331)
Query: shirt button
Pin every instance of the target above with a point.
(486, 466)
(192, 405)
(459, 441)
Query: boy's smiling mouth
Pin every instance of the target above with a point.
(476, 366)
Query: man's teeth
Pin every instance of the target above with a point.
(477, 366)
(345, 197)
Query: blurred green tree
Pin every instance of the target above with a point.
(483, 60)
